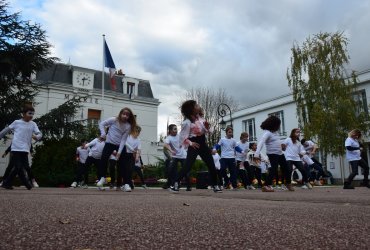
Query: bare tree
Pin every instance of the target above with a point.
(209, 99)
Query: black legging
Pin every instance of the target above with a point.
(107, 151)
(354, 167)
(205, 153)
(19, 167)
(126, 163)
(275, 161)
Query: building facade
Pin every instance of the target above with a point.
(61, 82)
(250, 118)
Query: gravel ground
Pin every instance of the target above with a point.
(65, 218)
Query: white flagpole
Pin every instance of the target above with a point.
(102, 76)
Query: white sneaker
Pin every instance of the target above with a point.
(283, 187)
(127, 188)
(304, 186)
(250, 187)
(74, 184)
(309, 185)
(317, 183)
(144, 186)
(101, 182)
(34, 184)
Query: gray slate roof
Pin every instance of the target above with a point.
(62, 73)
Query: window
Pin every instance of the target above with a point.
(249, 126)
(360, 100)
(280, 115)
(93, 117)
(130, 88)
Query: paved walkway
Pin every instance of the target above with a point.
(64, 218)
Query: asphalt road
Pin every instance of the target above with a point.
(65, 218)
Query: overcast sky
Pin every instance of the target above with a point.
(242, 46)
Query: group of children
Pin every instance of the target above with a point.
(119, 145)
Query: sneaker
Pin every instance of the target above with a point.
(348, 187)
(250, 187)
(290, 187)
(101, 182)
(85, 186)
(127, 188)
(188, 189)
(304, 186)
(317, 183)
(309, 185)
(34, 184)
(283, 187)
(175, 188)
(7, 187)
(144, 186)
(217, 189)
(267, 189)
(74, 184)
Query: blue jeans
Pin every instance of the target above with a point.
(229, 163)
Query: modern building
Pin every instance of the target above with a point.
(250, 118)
(61, 82)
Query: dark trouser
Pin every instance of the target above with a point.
(354, 170)
(319, 170)
(205, 153)
(299, 166)
(172, 172)
(275, 161)
(219, 177)
(19, 167)
(107, 151)
(139, 172)
(89, 162)
(81, 169)
(250, 172)
(229, 163)
(10, 166)
(167, 165)
(126, 163)
(316, 161)
(113, 169)
(258, 175)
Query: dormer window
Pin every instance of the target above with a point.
(130, 88)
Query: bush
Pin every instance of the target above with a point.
(54, 162)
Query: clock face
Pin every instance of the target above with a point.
(84, 79)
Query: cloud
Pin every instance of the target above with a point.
(242, 46)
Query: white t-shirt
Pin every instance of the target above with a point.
(227, 147)
(243, 146)
(23, 132)
(118, 132)
(354, 155)
(308, 146)
(82, 154)
(307, 160)
(272, 142)
(293, 150)
(216, 160)
(174, 143)
(132, 144)
(96, 148)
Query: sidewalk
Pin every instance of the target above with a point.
(67, 218)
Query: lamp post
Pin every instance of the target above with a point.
(222, 112)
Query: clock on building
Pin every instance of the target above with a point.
(84, 79)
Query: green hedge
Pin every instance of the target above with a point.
(54, 162)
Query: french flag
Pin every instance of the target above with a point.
(108, 61)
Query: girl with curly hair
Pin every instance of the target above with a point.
(192, 135)
(274, 151)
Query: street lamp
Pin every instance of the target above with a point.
(222, 112)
